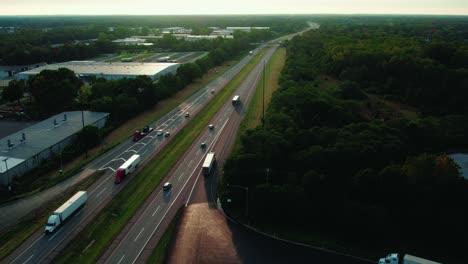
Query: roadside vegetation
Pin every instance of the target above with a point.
(355, 138)
(112, 219)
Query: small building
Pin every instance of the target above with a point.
(28, 148)
(129, 41)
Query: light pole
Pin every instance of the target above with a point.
(263, 98)
(6, 172)
(246, 197)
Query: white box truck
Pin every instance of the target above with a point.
(208, 163)
(65, 211)
(128, 167)
(395, 258)
(236, 100)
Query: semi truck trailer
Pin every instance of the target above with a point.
(208, 163)
(395, 258)
(139, 134)
(128, 167)
(65, 211)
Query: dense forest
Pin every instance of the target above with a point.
(354, 142)
(35, 39)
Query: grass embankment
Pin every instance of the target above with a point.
(159, 254)
(253, 117)
(17, 235)
(113, 218)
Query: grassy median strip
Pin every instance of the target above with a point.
(112, 219)
(18, 234)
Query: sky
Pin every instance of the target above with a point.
(166, 7)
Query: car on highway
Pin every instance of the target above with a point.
(167, 186)
(203, 145)
(167, 134)
(160, 132)
(187, 114)
(212, 91)
(211, 126)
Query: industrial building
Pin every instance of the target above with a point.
(10, 71)
(28, 148)
(107, 70)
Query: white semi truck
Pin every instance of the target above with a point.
(395, 258)
(128, 167)
(65, 211)
(208, 163)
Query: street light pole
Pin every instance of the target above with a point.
(263, 98)
(7, 173)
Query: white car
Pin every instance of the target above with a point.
(211, 126)
(160, 132)
(167, 186)
(167, 134)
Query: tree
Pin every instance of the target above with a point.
(14, 90)
(53, 91)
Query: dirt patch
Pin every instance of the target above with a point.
(203, 236)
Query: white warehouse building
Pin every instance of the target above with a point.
(107, 70)
(26, 149)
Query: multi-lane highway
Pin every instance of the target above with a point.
(132, 245)
(42, 248)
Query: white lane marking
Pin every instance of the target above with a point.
(190, 163)
(81, 210)
(168, 192)
(144, 152)
(136, 238)
(97, 188)
(211, 145)
(198, 152)
(181, 176)
(155, 211)
(121, 259)
(27, 248)
(56, 233)
(101, 192)
(28, 259)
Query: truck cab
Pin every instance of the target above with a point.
(119, 175)
(390, 259)
(52, 223)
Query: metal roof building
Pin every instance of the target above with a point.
(27, 148)
(107, 70)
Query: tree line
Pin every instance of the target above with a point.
(322, 164)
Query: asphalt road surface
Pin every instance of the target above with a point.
(43, 248)
(128, 247)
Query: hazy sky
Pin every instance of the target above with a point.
(148, 7)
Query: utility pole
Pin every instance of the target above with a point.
(263, 98)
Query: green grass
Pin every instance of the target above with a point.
(113, 218)
(254, 112)
(10, 240)
(159, 254)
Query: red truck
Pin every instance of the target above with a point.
(128, 167)
(139, 134)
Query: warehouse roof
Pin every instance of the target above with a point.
(43, 135)
(106, 68)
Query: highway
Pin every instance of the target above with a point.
(43, 248)
(149, 224)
